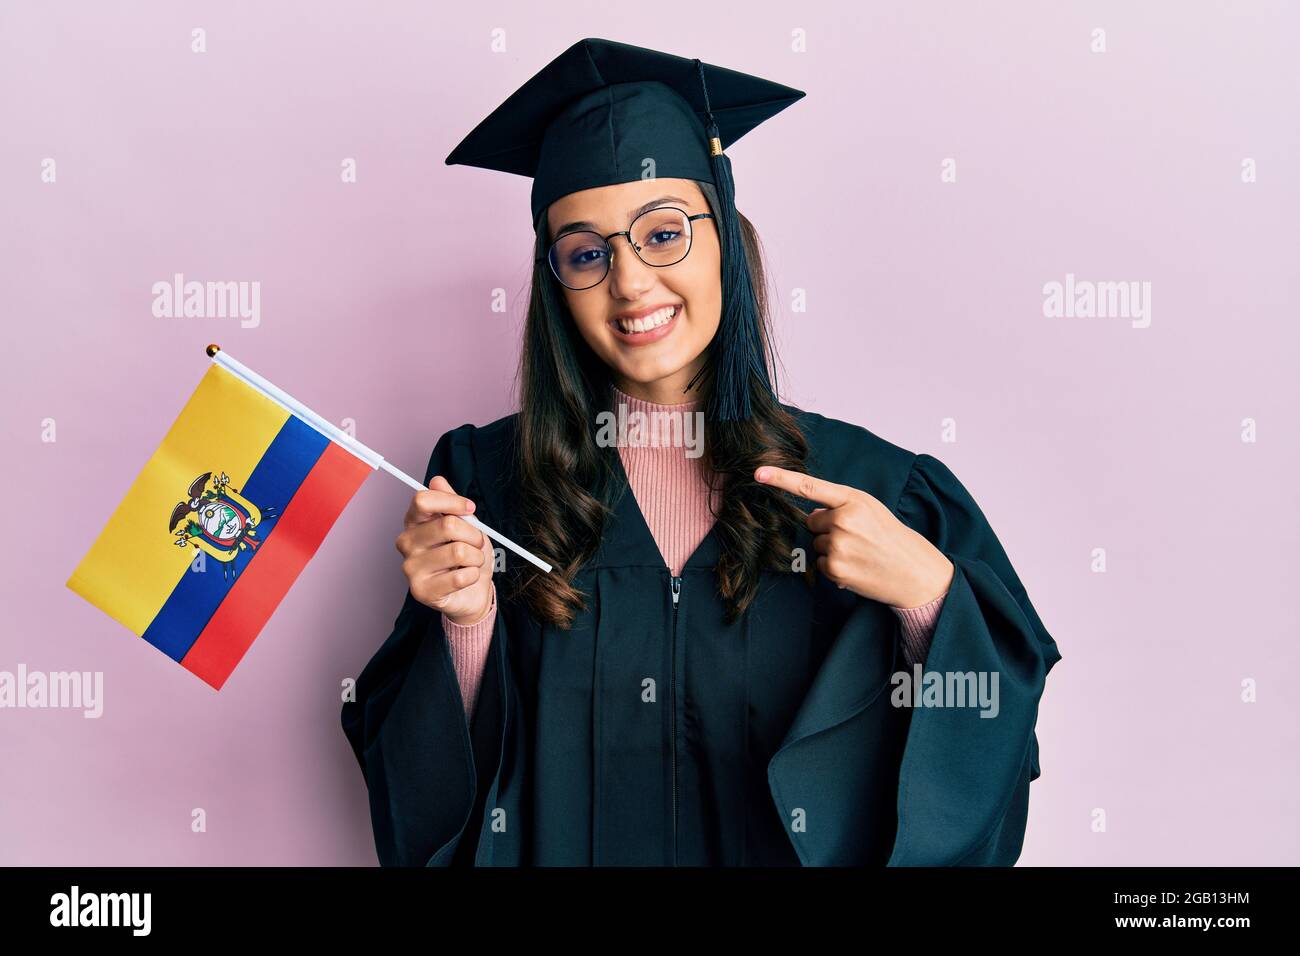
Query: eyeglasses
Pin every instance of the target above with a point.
(659, 237)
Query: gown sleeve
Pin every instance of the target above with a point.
(964, 779)
(428, 768)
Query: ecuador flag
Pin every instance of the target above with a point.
(223, 517)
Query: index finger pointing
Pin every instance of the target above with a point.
(805, 486)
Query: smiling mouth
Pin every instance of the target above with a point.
(645, 325)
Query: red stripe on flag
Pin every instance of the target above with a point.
(302, 526)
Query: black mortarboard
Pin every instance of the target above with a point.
(593, 116)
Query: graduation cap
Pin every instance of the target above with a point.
(595, 113)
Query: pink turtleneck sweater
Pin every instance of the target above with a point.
(673, 494)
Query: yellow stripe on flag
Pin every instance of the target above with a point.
(135, 564)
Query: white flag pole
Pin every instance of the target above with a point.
(368, 455)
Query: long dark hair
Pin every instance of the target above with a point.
(565, 478)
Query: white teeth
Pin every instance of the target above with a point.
(648, 322)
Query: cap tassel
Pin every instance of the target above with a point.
(739, 355)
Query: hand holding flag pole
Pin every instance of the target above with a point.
(371, 457)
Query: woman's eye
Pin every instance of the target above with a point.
(662, 237)
(586, 257)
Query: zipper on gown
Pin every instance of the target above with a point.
(676, 585)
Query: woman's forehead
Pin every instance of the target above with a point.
(616, 205)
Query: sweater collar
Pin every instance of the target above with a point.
(641, 405)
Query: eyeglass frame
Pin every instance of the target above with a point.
(635, 251)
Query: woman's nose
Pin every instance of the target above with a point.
(629, 277)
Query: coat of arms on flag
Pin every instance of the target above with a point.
(218, 520)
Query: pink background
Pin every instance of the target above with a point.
(924, 303)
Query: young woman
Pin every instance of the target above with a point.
(802, 645)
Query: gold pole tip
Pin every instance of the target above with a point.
(213, 349)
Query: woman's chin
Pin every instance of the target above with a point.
(648, 373)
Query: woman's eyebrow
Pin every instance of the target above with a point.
(586, 224)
